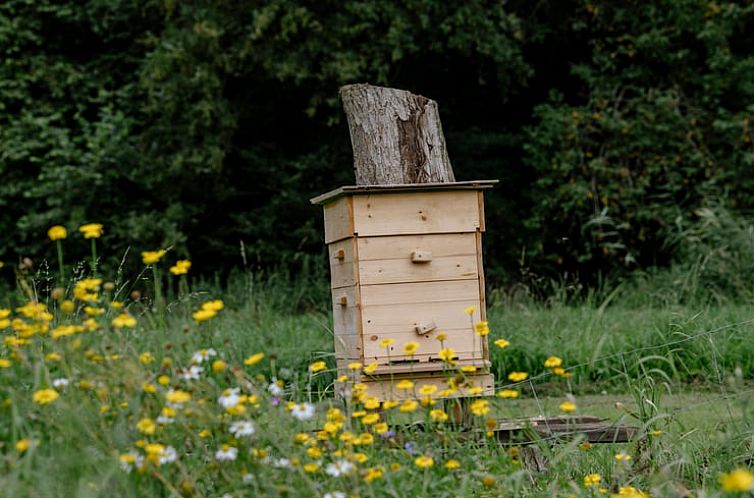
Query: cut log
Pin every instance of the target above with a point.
(396, 136)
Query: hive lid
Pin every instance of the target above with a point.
(402, 187)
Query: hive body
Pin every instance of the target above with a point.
(406, 261)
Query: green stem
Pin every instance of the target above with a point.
(158, 301)
(61, 268)
(94, 257)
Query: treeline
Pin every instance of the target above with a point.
(207, 125)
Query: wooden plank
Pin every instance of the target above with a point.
(388, 259)
(411, 213)
(338, 220)
(384, 389)
(347, 322)
(405, 187)
(462, 341)
(418, 293)
(420, 368)
(343, 270)
(480, 200)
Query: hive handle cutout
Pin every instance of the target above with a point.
(343, 300)
(340, 255)
(425, 328)
(419, 256)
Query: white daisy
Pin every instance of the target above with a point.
(168, 455)
(339, 468)
(227, 452)
(303, 411)
(60, 383)
(230, 398)
(191, 373)
(334, 494)
(242, 428)
(275, 389)
(203, 354)
(164, 419)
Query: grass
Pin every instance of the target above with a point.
(684, 370)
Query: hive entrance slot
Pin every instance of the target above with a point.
(403, 362)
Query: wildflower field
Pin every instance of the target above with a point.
(159, 384)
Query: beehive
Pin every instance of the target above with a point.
(406, 262)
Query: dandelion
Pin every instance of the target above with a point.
(480, 407)
(146, 426)
(45, 396)
(370, 369)
(152, 257)
(303, 411)
(226, 453)
(427, 390)
(502, 343)
(317, 366)
(442, 336)
(447, 354)
(424, 462)
(592, 480)
(438, 415)
(181, 267)
(567, 406)
(370, 419)
(22, 445)
(518, 376)
(124, 320)
(386, 343)
(622, 457)
(470, 310)
(405, 385)
(408, 406)
(219, 366)
(215, 305)
(4, 363)
(482, 328)
(177, 397)
(740, 480)
(242, 428)
(253, 359)
(552, 362)
(410, 348)
(508, 394)
(92, 230)
(203, 315)
(373, 474)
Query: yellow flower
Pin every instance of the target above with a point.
(385, 343)
(372, 403)
(53, 357)
(480, 407)
(342, 379)
(508, 393)
(438, 415)
(181, 267)
(567, 406)
(482, 328)
(317, 366)
(5, 363)
(4, 313)
(409, 406)
(215, 305)
(67, 306)
(57, 232)
(92, 230)
(370, 419)
(410, 348)
(518, 376)
(552, 362)
(2, 264)
(45, 396)
(373, 474)
(152, 257)
(219, 366)
(447, 354)
(124, 320)
(427, 390)
(502, 343)
(369, 369)
(22, 445)
(177, 397)
(622, 457)
(356, 365)
(405, 385)
(253, 359)
(470, 310)
(92, 311)
(149, 388)
(116, 305)
(442, 336)
(310, 468)
(381, 428)
(452, 464)
(146, 358)
(424, 462)
(146, 426)
(163, 380)
(592, 480)
(204, 315)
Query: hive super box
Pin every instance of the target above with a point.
(405, 262)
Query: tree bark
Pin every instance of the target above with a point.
(396, 136)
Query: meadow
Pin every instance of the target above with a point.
(163, 384)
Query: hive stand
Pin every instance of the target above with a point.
(406, 261)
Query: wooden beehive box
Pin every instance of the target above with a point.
(406, 261)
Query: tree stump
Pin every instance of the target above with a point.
(396, 136)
